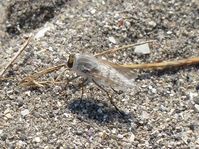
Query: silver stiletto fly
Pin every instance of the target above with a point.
(101, 72)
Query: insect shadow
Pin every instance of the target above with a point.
(99, 111)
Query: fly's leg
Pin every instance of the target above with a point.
(81, 85)
(110, 97)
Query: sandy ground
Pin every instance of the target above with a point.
(162, 111)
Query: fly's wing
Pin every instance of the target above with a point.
(127, 72)
(86, 64)
(103, 73)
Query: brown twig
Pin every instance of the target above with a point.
(121, 48)
(42, 72)
(163, 65)
(15, 57)
(31, 79)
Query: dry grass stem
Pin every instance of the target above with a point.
(164, 65)
(31, 79)
(15, 57)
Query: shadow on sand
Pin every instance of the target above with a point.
(98, 111)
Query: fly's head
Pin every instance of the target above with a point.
(71, 60)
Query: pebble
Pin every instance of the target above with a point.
(196, 100)
(7, 111)
(192, 95)
(114, 130)
(92, 11)
(25, 112)
(8, 116)
(120, 136)
(112, 39)
(37, 139)
(169, 32)
(20, 144)
(145, 115)
(28, 93)
(132, 138)
(99, 110)
(1, 132)
(103, 135)
(142, 49)
(153, 90)
(196, 107)
(152, 23)
(41, 33)
(197, 141)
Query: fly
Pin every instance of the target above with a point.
(101, 72)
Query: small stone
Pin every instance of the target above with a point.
(20, 144)
(1, 132)
(37, 139)
(120, 136)
(28, 93)
(152, 23)
(7, 111)
(196, 100)
(145, 115)
(41, 33)
(196, 107)
(112, 39)
(103, 135)
(25, 112)
(132, 138)
(4, 137)
(46, 147)
(192, 95)
(92, 11)
(169, 32)
(142, 49)
(8, 116)
(153, 90)
(197, 141)
(114, 131)
(99, 110)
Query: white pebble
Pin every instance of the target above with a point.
(132, 138)
(197, 107)
(120, 136)
(145, 115)
(112, 39)
(152, 23)
(8, 116)
(25, 112)
(1, 131)
(169, 32)
(114, 130)
(41, 33)
(142, 49)
(92, 11)
(37, 139)
(192, 95)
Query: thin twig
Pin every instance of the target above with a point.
(46, 71)
(163, 65)
(15, 57)
(31, 78)
(121, 48)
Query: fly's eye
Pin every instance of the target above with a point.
(71, 60)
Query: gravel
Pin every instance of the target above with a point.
(162, 110)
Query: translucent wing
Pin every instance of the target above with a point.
(127, 72)
(102, 72)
